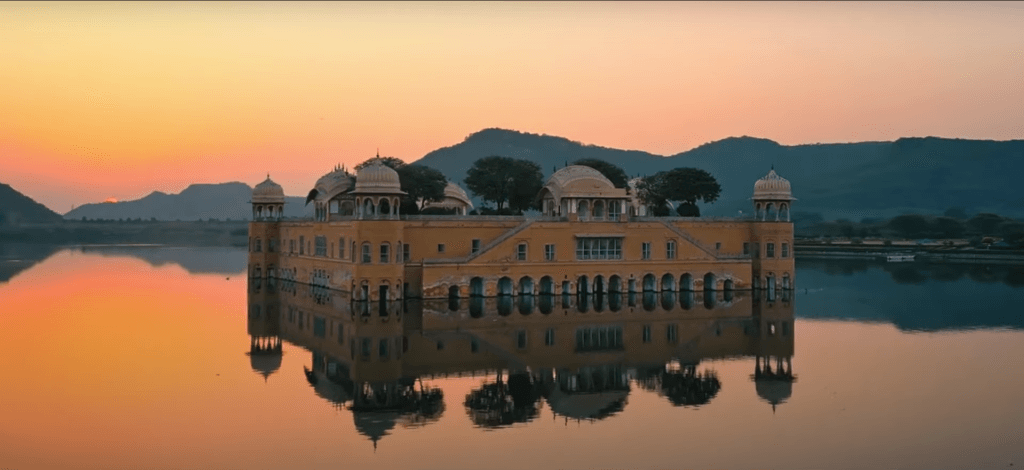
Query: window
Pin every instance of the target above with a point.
(521, 252)
(341, 333)
(302, 244)
(474, 346)
(440, 247)
(746, 248)
(718, 245)
(670, 249)
(672, 333)
(365, 347)
(785, 250)
(647, 333)
(382, 348)
(549, 252)
(319, 327)
(341, 248)
(769, 250)
(549, 337)
(291, 246)
(598, 248)
(385, 253)
(599, 338)
(366, 253)
(272, 245)
(405, 252)
(521, 339)
(475, 246)
(440, 345)
(321, 246)
(645, 251)
(258, 247)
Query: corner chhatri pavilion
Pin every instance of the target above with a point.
(590, 238)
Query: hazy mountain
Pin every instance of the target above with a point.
(18, 257)
(18, 208)
(854, 180)
(197, 202)
(195, 260)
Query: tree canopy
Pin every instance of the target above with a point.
(420, 183)
(506, 181)
(611, 171)
(684, 185)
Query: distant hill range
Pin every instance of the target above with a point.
(17, 208)
(197, 202)
(854, 180)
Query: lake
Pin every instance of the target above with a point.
(148, 357)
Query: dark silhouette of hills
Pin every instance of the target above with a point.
(847, 180)
(195, 260)
(18, 257)
(17, 208)
(197, 202)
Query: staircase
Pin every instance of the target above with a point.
(689, 238)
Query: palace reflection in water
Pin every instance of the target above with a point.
(579, 355)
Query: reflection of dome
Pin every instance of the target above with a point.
(377, 178)
(772, 186)
(774, 391)
(597, 405)
(375, 424)
(265, 363)
(268, 192)
(581, 181)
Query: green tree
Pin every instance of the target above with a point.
(949, 227)
(420, 183)
(611, 171)
(984, 224)
(506, 181)
(391, 162)
(685, 185)
(910, 225)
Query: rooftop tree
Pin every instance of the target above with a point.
(611, 171)
(683, 185)
(506, 181)
(420, 183)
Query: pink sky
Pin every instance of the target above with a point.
(119, 99)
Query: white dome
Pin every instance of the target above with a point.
(332, 184)
(377, 178)
(772, 186)
(583, 182)
(268, 192)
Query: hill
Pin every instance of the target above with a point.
(197, 202)
(846, 180)
(17, 208)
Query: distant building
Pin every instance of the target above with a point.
(590, 238)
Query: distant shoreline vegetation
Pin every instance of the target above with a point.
(983, 229)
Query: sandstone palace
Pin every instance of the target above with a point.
(590, 238)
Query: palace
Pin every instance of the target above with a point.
(590, 238)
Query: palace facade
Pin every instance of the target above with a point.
(591, 238)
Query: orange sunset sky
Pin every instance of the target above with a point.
(102, 100)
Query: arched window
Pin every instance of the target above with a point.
(367, 256)
(257, 245)
(385, 207)
(385, 253)
(341, 248)
(709, 282)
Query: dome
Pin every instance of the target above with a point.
(772, 186)
(377, 178)
(582, 182)
(455, 191)
(334, 183)
(268, 192)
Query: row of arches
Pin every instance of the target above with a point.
(771, 211)
(599, 284)
(505, 305)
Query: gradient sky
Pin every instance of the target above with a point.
(103, 100)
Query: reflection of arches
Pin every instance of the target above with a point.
(668, 299)
(709, 299)
(615, 301)
(526, 304)
(709, 282)
(505, 305)
(686, 282)
(649, 283)
(476, 286)
(504, 286)
(668, 283)
(547, 285)
(547, 303)
(785, 282)
(771, 282)
(526, 285)
(650, 301)
(686, 299)
(453, 298)
(615, 284)
(476, 306)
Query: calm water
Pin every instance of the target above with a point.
(157, 358)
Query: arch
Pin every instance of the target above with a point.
(728, 285)
(505, 286)
(582, 287)
(710, 282)
(615, 284)
(757, 211)
(547, 285)
(784, 211)
(476, 287)
(526, 285)
(686, 282)
(257, 272)
(668, 283)
(368, 208)
(384, 208)
(599, 212)
(770, 285)
(583, 209)
(649, 283)
(453, 292)
(453, 298)
(771, 211)
(599, 285)
(786, 284)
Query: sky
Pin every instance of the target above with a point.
(116, 100)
